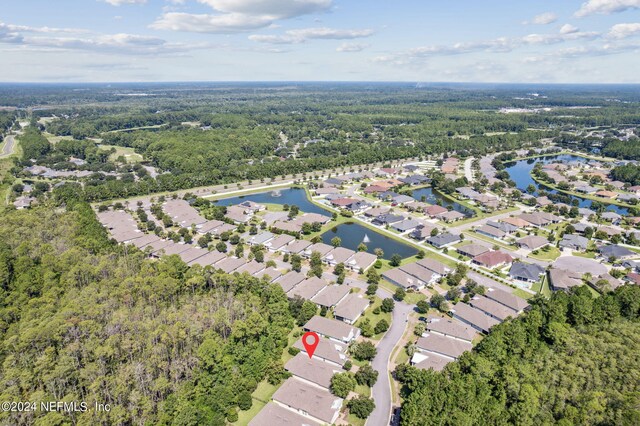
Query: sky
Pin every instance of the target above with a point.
(523, 41)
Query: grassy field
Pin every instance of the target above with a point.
(521, 293)
(542, 287)
(128, 153)
(373, 318)
(490, 240)
(55, 139)
(261, 397)
(550, 255)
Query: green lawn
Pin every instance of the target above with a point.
(542, 287)
(490, 240)
(550, 255)
(373, 318)
(261, 397)
(521, 293)
(588, 255)
(128, 153)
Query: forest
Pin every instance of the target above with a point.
(84, 320)
(571, 360)
(215, 134)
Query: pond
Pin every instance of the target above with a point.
(291, 196)
(434, 197)
(352, 234)
(520, 173)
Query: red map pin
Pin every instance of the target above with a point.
(310, 341)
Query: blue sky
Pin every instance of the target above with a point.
(585, 41)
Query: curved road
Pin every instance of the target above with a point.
(9, 146)
(381, 391)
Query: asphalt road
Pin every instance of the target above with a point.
(9, 146)
(381, 391)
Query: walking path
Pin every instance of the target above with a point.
(8, 147)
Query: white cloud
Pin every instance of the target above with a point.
(624, 30)
(121, 2)
(224, 24)
(239, 15)
(568, 29)
(351, 47)
(277, 9)
(302, 35)
(544, 19)
(606, 7)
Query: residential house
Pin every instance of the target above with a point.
(532, 242)
(473, 317)
(351, 308)
(573, 242)
(526, 272)
(451, 329)
(472, 250)
(332, 329)
(275, 414)
(443, 240)
(493, 259)
(308, 400)
(442, 346)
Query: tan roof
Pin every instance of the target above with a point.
(473, 316)
(473, 249)
(274, 414)
(339, 255)
(444, 346)
(279, 242)
(316, 402)
(516, 221)
(327, 350)
(418, 271)
(208, 259)
(361, 259)
(296, 246)
(307, 288)
(290, 280)
(434, 266)
(429, 361)
(230, 264)
(533, 241)
(182, 213)
(272, 273)
(331, 328)
(451, 328)
(493, 258)
(351, 307)
(312, 369)
(331, 295)
(251, 268)
(510, 300)
(492, 308)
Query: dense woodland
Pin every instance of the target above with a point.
(82, 319)
(225, 133)
(165, 344)
(572, 360)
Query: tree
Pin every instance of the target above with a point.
(245, 401)
(361, 406)
(366, 328)
(373, 277)
(339, 269)
(296, 262)
(336, 241)
(378, 252)
(363, 351)
(396, 260)
(342, 384)
(387, 305)
(419, 329)
(381, 327)
(423, 306)
(362, 247)
(372, 289)
(221, 247)
(307, 311)
(366, 376)
(400, 294)
(421, 254)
